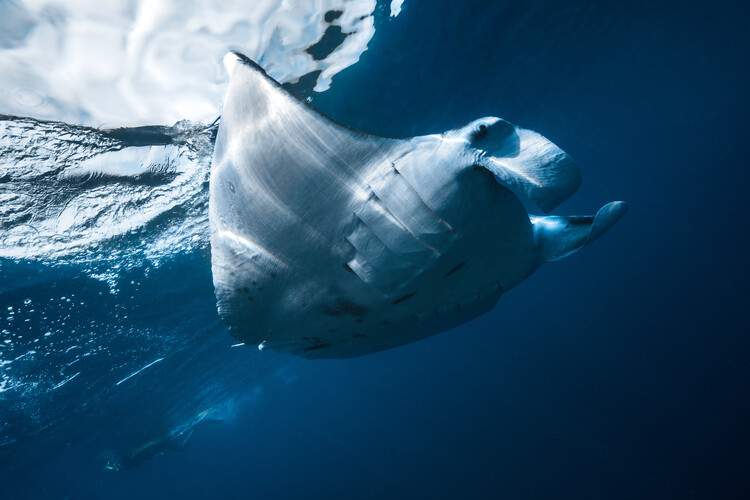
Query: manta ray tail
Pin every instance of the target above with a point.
(557, 237)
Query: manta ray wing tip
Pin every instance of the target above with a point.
(233, 57)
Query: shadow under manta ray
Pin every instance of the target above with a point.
(330, 243)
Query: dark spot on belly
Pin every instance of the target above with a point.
(358, 320)
(357, 335)
(317, 346)
(332, 330)
(455, 268)
(405, 297)
(250, 299)
(343, 307)
(273, 275)
(246, 289)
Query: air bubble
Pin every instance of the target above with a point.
(28, 98)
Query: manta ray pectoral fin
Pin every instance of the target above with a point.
(258, 107)
(524, 160)
(557, 237)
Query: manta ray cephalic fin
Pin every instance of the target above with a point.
(558, 236)
(524, 160)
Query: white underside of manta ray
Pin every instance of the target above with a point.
(331, 243)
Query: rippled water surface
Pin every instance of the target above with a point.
(109, 314)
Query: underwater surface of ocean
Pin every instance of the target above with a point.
(620, 372)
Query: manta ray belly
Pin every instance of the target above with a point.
(391, 269)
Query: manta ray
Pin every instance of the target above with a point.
(327, 242)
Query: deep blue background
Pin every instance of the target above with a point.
(619, 372)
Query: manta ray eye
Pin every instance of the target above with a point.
(481, 130)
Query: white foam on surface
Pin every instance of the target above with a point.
(396, 7)
(141, 62)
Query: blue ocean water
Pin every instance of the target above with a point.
(620, 372)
